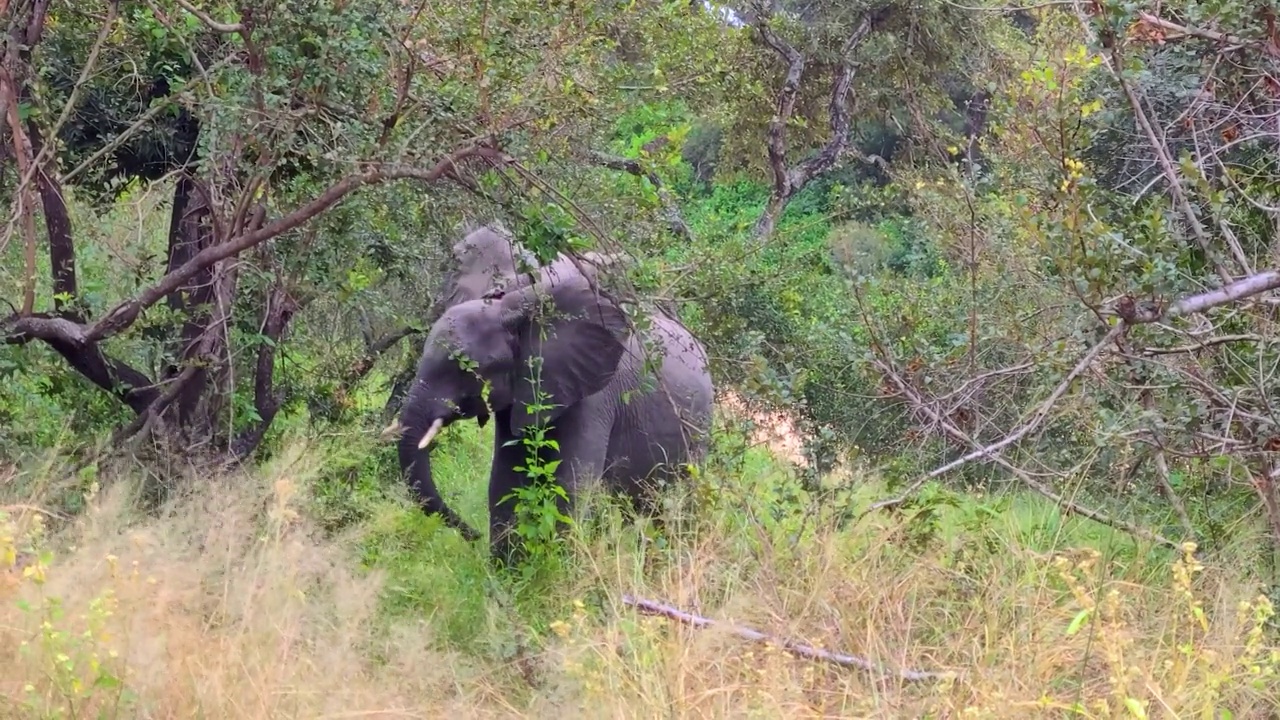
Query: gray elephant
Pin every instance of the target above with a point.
(588, 265)
(484, 260)
(608, 426)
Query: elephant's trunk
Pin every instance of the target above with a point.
(415, 464)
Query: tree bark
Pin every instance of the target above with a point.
(788, 181)
(190, 231)
(57, 220)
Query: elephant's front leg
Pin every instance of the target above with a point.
(504, 479)
(582, 438)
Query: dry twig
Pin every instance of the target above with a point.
(809, 652)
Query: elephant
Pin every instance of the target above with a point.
(589, 265)
(608, 428)
(482, 261)
(485, 258)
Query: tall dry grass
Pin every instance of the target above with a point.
(228, 602)
(225, 604)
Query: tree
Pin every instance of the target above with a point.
(839, 71)
(286, 129)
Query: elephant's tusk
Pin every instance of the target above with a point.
(431, 432)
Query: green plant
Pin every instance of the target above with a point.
(539, 501)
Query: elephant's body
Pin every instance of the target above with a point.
(613, 424)
(648, 437)
(660, 430)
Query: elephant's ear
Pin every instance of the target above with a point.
(578, 334)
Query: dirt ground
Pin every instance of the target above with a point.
(777, 430)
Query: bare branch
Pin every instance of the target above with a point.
(784, 105)
(1041, 413)
(1166, 489)
(675, 219)
(374, 349)
(789, 181)
(990, 452)
(1229, 293)
(805, 651)
(838, 110)
(1210, 35)
(20, 329)
(214, 25)
(1203, 344)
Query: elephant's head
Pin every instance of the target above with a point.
(494, 344)
(486, 257)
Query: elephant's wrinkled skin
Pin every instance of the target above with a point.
(590, 359)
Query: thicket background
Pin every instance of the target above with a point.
(1009, 269)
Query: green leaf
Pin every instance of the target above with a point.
(1078, 621)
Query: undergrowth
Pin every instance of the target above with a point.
(251, 595)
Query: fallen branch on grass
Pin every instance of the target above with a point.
(653, 607)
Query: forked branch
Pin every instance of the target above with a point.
(787, 181)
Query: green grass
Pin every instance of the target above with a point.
(312, 587)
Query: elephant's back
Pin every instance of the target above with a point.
(685, 364)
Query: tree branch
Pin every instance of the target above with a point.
(1203, 344)
(789, 181)
(808, 652)
(1210, 35)
(675, 219)
(21, 329)
(279, 310)
(214, 25)
(57, 221)
(838, 110)
(25, 200)
(1041, 413)
(990, 452)
(1231, 292)
(124, 314)
(784, 104)
(374, 350)
(66, 337)
(157, 406)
